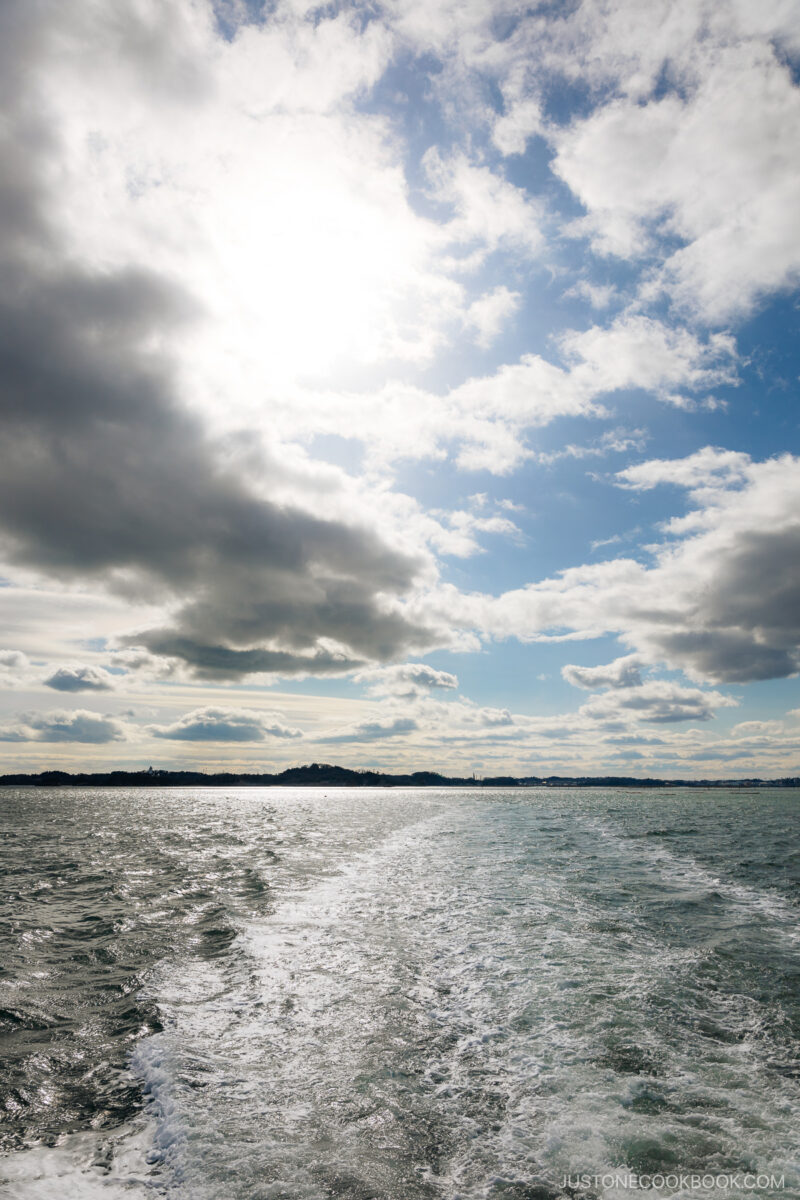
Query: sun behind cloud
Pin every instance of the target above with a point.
(354, 358)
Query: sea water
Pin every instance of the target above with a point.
(400, 994)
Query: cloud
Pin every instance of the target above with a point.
(613, 441)
(13, 660)
(486, 418)
(489, 211)
(636, 739)
(408, 679)
(225, 725)
(638, 352)
(323, 243)
(456, 533)
(657, 702)
(749, 729)
(152, 512)
(707, 468)
(626, 696)
(621, 673)
(598, 295)
(351, 271)
(685, 162)
(140, 664)
(15, 668)
(80, 679)
(659, 167)
(489, 718)
(483, 421)
(516, 126)
(58, 725)
(238, 249)
(489, 313)
(721, 600)
(370, 731)
(155, 512)
(407, 706)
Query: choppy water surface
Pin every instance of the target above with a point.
(395, 995)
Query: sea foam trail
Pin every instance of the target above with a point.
(452, 996)
(682, 870)
(474, 1007)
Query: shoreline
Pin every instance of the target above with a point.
(328, 775)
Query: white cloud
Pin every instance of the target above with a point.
(656, 702)
(15, 668)
(407, 679)
(516, 126)
(716, 169)
(456, 533)
(630, 45)
(721, 601)
(428, 729)
(225, 725)
(690, 139)
(749, 729)
(484, 421)
(489, 313)
(78, 725)
(621, 673)
(489, 211)
(640, 352)
(299, 244)
(488, 718)
(445, 26)
(371, 731)
(613, 441)
(258, 186)
(708, 468)
(599, 295)
(17, 671)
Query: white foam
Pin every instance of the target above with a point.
(84, 1166)
(432, 1014)
(432, 1009)
(683, 868)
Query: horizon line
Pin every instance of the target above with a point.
(332, 775)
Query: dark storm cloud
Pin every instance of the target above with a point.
(104, 477)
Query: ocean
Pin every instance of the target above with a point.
(400, 994)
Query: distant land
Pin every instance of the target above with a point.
(326, 775)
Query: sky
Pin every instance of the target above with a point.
(408, 384)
